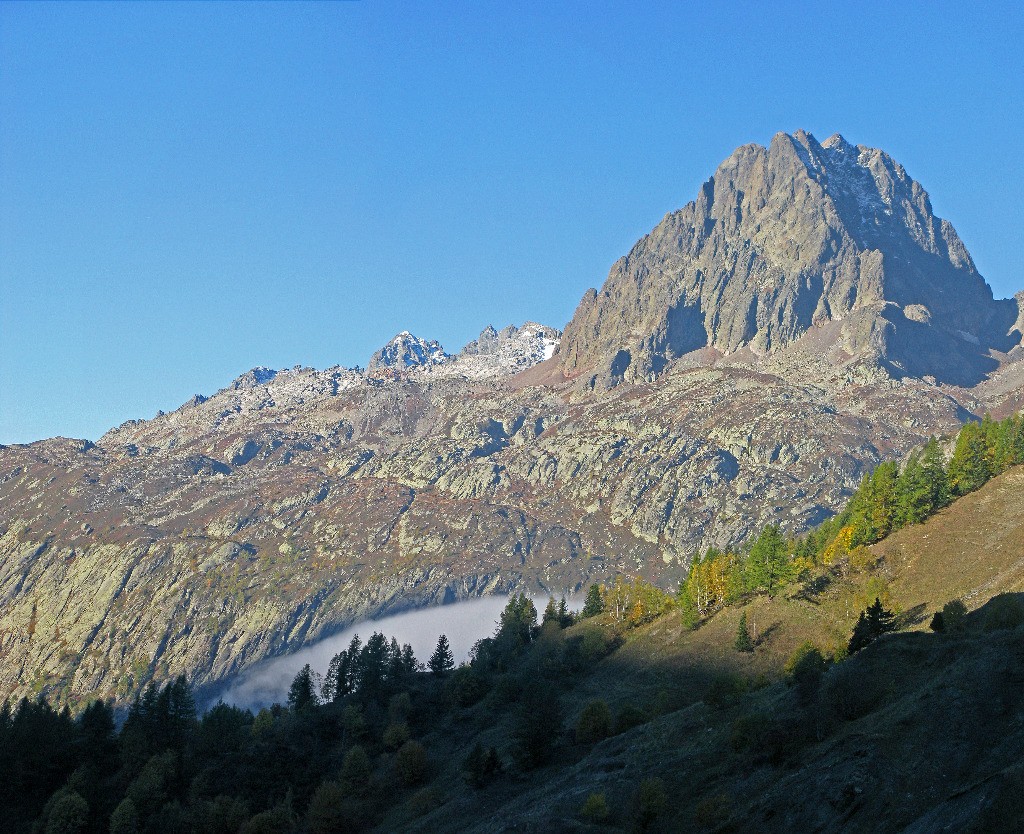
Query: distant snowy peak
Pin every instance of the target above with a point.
(407, 352)
(507, 351)
(494, 353)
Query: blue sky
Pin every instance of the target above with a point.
(190, 190)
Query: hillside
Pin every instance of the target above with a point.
(917, 732)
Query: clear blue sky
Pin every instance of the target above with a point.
(190, 190)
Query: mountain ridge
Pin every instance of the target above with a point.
(293, 502)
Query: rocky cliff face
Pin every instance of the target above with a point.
(763, 347)
(784, 239)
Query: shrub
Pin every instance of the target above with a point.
(481, 766)
(355, 769)
(649, 803)
(849, 692)
(424, 801)
(594, 724)
(766, 738)
(595, 809)
(628, 717)
(125, 819)
(725, 690)
(805, 667)
(862, 559)
(537, 729)
(395, 735)
(411, 763)
(68, 813)
(465, 687)
(748, 731)
(399, 707)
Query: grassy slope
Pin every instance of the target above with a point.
(918, 724)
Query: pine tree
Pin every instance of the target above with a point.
(374, 660)
(933, 463)
(442, 660)
(565, 617)
(301, 694)
(767, 566)
(880, 621)
(871, 624)
(550, 612)
(409, 662)
(594, 605)
(743, 642)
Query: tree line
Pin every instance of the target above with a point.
(888, 498)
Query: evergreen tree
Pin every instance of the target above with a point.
(355, 647)
(565, 617)
(550, 612)
(302, 694)
(396, 666)
(884, 489)
(374, 661)
(861, 636)
(743, 642)
(933, 462)
(518, 623)
(594, 605)
(442, 661)
(768, 566)
(537, 728)
(409, 662)
(871, 624)
(879, 619)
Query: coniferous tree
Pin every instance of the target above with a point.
(565, 617)
(442, 661)
(374, 660)
(594, 605)
(550, 612)
(933, 462)
(767, 565)
(743, 641)
(302, 693)
(409, 662)
(871, 624)
(518, 623)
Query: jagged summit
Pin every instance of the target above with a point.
(406, 352)
(783, 239)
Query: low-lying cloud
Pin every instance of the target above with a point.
(463, 623)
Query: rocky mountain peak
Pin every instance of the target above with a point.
(783, 240)
(407, 352)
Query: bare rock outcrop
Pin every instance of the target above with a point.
(783, 239)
